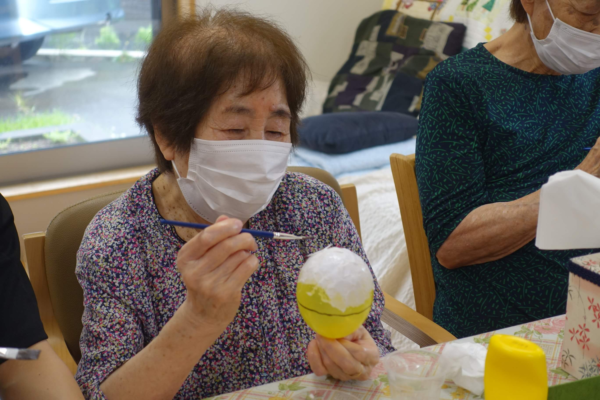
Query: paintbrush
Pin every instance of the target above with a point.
(9, 353)
(263, 234)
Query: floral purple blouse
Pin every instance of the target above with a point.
(126, 267)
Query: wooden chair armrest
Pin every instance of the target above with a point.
(36, 268)
(350, 199)
(413, 325)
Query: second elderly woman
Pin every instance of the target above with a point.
(496, 122)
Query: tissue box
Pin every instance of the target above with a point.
(580, 354)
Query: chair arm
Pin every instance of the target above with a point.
(350, 199)
(36, 268)
(413, 325)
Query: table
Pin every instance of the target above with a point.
(547, 333)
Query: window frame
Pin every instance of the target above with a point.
(77, 159)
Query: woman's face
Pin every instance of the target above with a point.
(261, 115)
(580, 14)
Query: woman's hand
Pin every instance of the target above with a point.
(352, 357)
(591, 163)
(214, 266)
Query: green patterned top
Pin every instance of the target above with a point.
(490, 133)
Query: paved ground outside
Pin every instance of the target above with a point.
(99, 94)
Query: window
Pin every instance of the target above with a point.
(68, 72)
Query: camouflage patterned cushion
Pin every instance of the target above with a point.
(402, 94)
(390, 44)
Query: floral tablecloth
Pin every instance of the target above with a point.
(547, 333)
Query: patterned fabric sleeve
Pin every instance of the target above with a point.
(449, 164)
(111, 332)
(344, 235)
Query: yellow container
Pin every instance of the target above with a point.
(515, 369)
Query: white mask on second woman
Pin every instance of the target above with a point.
(236, 178)
(567, 50)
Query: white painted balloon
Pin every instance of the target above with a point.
(343, 275)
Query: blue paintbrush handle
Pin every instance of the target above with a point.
(263, 234)
(587, 148)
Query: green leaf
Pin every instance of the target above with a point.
(538, 334)
(561, 372)
(384, 379)
(524, 331)
(482, 340)
(283, 387)
(295, 386)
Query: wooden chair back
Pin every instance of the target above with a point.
(419, 256)
(51, 261)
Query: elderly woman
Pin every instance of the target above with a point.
(497, 121)
(173, 312)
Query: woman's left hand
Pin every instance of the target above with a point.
(352, 357)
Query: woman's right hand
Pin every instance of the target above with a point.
(215, 264)
(591, 163)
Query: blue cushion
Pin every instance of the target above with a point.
(339, 133)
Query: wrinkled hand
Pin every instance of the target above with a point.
(591, 164)
(352, 357)
(215, 264)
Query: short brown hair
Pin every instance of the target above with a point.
(517, 12)
(193, 61)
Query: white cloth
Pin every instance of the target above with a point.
(569, 216)
(465, 363)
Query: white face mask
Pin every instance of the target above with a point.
(236, 178)
(567, 50)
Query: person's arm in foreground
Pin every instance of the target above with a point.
(214, 266)
(21, 327)
(494, 231)
(45, 378)
(462, 226)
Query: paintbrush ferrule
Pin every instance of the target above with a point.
(9, 353)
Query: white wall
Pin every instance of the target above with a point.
(323, 29)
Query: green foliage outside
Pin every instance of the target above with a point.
(27, 118)
(124, 58)
(35, 120)
(144, 36)
(108, 38)
(60, 136)
(63, 41)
